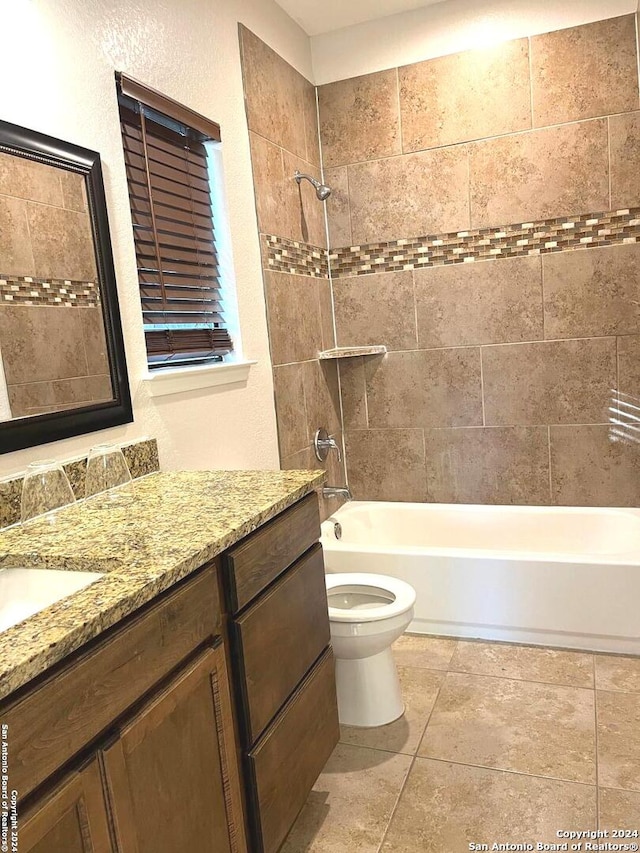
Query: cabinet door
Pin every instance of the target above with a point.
(172, 774)
(73, 819)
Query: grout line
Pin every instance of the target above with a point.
(397, 802)
(595, 719)
(549, 452)
(471, 228)
(480, 426)
(609, 157)
(506, 770)
(521, 680)
(415, 307)
(530, 51)
(401, 139)
(484, 421)
(346, 168)
(366, 394)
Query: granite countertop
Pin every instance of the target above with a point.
(175, 523)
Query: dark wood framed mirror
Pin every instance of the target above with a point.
(62, 362)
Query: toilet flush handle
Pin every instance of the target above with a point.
(322, 444)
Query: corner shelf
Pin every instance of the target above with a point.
(352, 352)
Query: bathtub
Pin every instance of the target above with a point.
(559, 576)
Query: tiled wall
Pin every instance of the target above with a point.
(483, 225)
(282, 119)
(52, 340)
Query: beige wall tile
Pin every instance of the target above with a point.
(589, 469)
(629, 368)
(82, 390)
(288, 389)
(41, 343)
(293, 314)
(353, 389)
(74, 192)
(351, 802)
(326, 313)
(539, 174)
(268, 185)
(542, 729)
(464, 96)
(386, 465)
(502, 465)
(312, 138)
(95, 342)
(426, 388)
(624, 133)
(322, 397)
(359, 118)
(375, 309)
(304, 211)
(618, 740)
(480, 303)
(445, 807)
(274, 95)
(16, 254)
(584, 71)
(528, 663)
(618, 809)
(552, 382)
(31, 398)
(27, 179)
(62, 243)
(592, 292)
(338, 212)
(411, 195)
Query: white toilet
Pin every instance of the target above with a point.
(367, 613)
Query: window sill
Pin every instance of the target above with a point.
(177, 380)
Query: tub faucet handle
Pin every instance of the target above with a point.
(322, 444)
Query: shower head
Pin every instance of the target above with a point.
(322, 190)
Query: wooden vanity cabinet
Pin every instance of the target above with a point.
(72, 819)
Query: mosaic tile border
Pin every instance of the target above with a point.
(53, 292)
(560, 234)
(142, 458)
(295, 257)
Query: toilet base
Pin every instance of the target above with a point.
(368, 690)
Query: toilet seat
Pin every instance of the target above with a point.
(400, 596)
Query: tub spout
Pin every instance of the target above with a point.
(336, 492)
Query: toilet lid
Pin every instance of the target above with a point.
(359, 597)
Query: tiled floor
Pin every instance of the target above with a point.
(498, 744)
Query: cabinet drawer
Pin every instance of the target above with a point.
(62, 715)
(291, 754)
(278, 639)
(265, 554)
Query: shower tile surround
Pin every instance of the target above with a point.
(458, 227)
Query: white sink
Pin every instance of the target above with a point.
(24, 592)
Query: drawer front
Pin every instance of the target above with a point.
(59, 717)
(279, 638)
(265, 554)
(291, 754)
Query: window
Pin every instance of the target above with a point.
(167, 163)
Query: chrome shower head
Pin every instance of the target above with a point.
(322, 190)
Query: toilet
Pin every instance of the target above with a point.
(367, 613)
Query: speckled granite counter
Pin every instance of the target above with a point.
(175, 523)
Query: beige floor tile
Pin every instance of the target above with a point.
(419, 691)
(446, 807)
(524, 662)
(618, 673)
(619, 809)
(424, 651)
(350, 805)
(542, 729)
(618, 740)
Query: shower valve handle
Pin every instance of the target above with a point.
(322, 444)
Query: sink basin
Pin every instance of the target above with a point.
(24, 592)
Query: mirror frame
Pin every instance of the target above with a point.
(53, 426)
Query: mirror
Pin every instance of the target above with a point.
(62, 362)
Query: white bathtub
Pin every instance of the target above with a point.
(559, 576)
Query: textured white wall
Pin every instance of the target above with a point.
(447, 27)
(60, 57)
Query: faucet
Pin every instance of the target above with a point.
(337, 492)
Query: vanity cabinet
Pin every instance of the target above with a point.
(72, 819)
(283, 667)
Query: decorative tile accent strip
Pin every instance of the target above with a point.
(27, 290)
(530, 238)
(141, 456)
(290, 256)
